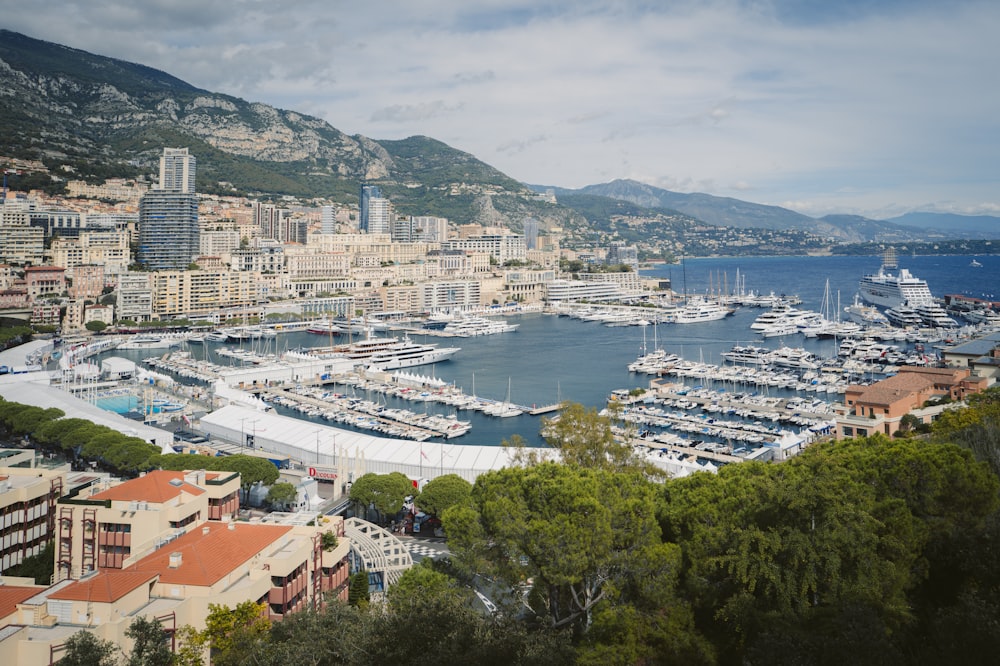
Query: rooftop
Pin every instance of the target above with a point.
(207, 558)
(12, 595)
(105, 587)
(893, 389)
(157, 487)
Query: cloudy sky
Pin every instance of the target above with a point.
(873, 107)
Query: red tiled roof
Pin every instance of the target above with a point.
(105, 587)
(155, 487)
(207, 558)
(12, 595)
(894, 388)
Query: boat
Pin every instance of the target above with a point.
(785, 318)
(406, 354)
(324, 328)
(866, 315)
(747, 355)
(216, 336)
(150, 342)
(888, 290)
(932, 314)
(903, 315)
(475, 326)
(975, 264)
(699, 311)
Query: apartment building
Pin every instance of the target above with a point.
(27, 511)
(185, 293)
(112, 526)
(135, 296)
(880, 407)
(284, 567)
(88, 281)
(45, 280)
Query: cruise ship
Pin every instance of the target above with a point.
(887, 290)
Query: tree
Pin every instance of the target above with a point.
(384, 492)
(95, 326)
(442, 493)
(358, 592)
(574, 533)
(281, 494)
(252, 470)
(586, 439)
(226, 628)
(85, 649)
(328, 540)
(151, 645)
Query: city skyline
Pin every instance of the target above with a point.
(867, 108)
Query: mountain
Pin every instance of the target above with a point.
(728, 212)
(974, 224)
(98, 117)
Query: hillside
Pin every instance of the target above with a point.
(98, 117)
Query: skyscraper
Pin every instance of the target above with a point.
(177, 170)
(168, 215)
(328, 220)
(374, 211)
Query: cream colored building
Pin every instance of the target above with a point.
(113, 525)
(184, 293)
(283, 567)
(27, 511)
(109, 249)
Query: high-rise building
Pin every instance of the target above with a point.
(177, 170)
(531, 233)
(168, 230)
(328, 220)
(374, 211)
(168, 215)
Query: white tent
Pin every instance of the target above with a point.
(313, 443)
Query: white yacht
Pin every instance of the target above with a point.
(783, 317)
(699, 311)
(150, 342)
(932, 314)
(866, 315)
(475, 326)
(888, 290)
(904, 316)
(405, 354)
(747, 355)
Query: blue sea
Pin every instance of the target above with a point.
(550, 358)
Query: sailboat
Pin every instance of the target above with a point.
(503, 409)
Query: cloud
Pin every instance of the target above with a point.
(850, 105)
(520, 145)
(405, 113)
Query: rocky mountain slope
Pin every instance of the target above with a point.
(98, 116)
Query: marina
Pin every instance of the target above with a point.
(553, 358)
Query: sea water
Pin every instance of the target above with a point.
(550, 358)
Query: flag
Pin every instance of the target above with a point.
(423, 455)
(186, 419)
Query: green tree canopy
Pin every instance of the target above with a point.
(85, 649)
(443, 492)
(281, 494)
(384, 492)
